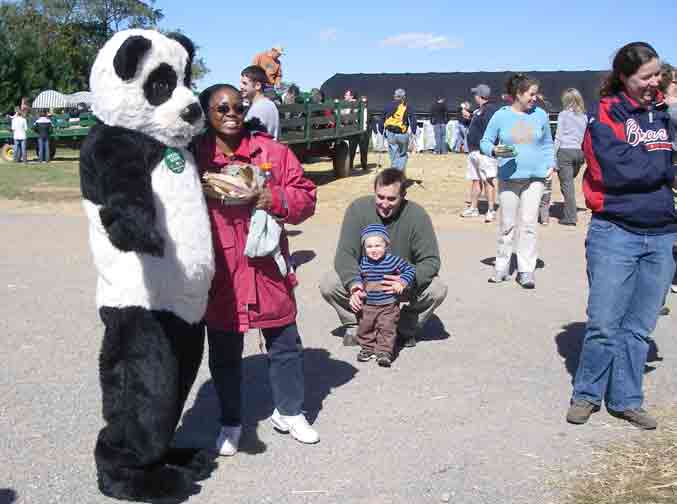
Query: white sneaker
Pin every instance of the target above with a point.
(673, 288)
(296, 425)
(229, 440)
(470, 212)
(489, 217)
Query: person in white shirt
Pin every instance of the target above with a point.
(19, 127)
(252, 82)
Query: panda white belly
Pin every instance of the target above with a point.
(180, 280)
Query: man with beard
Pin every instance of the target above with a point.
(412, 238)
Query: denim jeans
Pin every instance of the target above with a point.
(43, 149)
(20, 150)
(460, 138)
(440, 138)
(398, 148)
(285, 370)
(628, 275)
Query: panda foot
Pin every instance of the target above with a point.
(160, 485)
(199, 464)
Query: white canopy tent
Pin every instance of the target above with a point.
(50, 99)
(79, 97)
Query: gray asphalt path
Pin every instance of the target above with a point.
(473, 414)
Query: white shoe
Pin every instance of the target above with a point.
(489, 217)
(229, 440)
(296, 425)
(470, 212)
(673, 288)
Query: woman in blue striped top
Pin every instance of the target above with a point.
(380, 308)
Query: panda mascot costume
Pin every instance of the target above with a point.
(151, 240)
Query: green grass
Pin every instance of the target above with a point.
(58, 180)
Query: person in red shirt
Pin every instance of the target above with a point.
(252, 293)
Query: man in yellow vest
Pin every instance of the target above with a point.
(398, 120)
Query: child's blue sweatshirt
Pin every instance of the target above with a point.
(372, 272)
(530, 134)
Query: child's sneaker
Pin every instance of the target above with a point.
(365, 355)
(490, 216)
(384, 360)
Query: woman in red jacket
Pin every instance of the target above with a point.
(628, 186)
(252, 293)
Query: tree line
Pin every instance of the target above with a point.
(51, 44)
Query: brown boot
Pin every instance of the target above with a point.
(637, 417)
(580, 411)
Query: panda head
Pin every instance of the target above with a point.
(140, 80)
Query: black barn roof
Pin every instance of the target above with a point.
(422, 88)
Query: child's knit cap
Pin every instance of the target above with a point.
(375, 230)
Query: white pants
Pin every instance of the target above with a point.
(519, 201)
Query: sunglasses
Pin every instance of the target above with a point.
(224, 108)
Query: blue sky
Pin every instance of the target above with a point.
(425, 36)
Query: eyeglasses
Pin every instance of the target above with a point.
(224, 108)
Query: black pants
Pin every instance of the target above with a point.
(285, 357)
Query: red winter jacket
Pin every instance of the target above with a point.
(251, 293)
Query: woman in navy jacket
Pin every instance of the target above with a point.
(628, 186)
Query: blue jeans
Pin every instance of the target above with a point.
(19, 150)
(440, 138)
(398, 148)
(285, 370)
(460, 138)
(628, 275)
(43, 149)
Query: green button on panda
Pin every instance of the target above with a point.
(151, 242)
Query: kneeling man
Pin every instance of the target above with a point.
(412, 238)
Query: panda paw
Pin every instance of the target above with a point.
(132, 233)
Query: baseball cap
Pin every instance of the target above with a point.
(481, 90)
(400, 93)
(278, 48)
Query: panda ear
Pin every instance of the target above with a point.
(190, 49)
(128, 56)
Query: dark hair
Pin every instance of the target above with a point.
(206, 95)
(391, 176)
(294, 89)
(255, 74)
(626, 62)
(667, 76)
(316, 96)
(519, 83)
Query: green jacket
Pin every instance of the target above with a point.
(412, 238)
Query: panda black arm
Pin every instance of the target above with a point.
(116, 166)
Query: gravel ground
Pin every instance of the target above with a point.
(475, 413)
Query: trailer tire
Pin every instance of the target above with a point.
(7, 153)
(341, 159)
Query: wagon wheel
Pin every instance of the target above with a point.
(7, 152)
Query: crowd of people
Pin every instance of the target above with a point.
(387, 251)
(385, 283)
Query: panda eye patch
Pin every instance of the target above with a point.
(160, 85)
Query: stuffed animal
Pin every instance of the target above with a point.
(151, 241)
